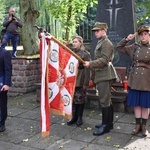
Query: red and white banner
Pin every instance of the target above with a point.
(59, 70)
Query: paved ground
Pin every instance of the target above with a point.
(23, 130)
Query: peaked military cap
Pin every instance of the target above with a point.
(100, 25)
(143, 28)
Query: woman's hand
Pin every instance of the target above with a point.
(131, 36)
(86, 64)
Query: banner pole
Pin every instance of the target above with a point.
(68, 49)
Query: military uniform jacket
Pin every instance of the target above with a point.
(139, 77)
(102, 64)
(83, 76)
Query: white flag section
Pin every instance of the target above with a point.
(62, 77)
(58, 79)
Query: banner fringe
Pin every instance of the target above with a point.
(61, 113)
(45, 134)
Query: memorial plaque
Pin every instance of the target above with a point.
(120, 17)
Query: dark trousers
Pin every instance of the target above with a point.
(14, 40)
(3, 107)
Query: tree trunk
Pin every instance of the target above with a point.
(29, 16)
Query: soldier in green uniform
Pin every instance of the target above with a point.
(105, 75)
(139, 94)
(82, 81)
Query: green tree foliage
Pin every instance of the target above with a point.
(2, 14)
(69, 13)
(143, 11)
(63, 16)
(47, 21)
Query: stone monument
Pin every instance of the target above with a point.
(120, 17)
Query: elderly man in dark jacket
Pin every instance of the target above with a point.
(11, 22)
(5, 83)
(105, 75)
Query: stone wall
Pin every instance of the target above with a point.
(25, 73)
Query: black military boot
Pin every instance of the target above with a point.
(80, 114)
(75, 115)
(111, 118)
(100, 124)
(104, 128)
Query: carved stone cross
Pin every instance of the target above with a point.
(113, 7)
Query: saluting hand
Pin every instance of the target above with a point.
(131, 36)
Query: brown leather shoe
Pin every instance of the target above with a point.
(136, 130)
(144, 130)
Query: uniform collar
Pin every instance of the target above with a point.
(76, 50)
(145, 44)
(102, 38)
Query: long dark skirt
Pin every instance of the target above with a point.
(79, 95)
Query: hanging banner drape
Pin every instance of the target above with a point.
(58, 78)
